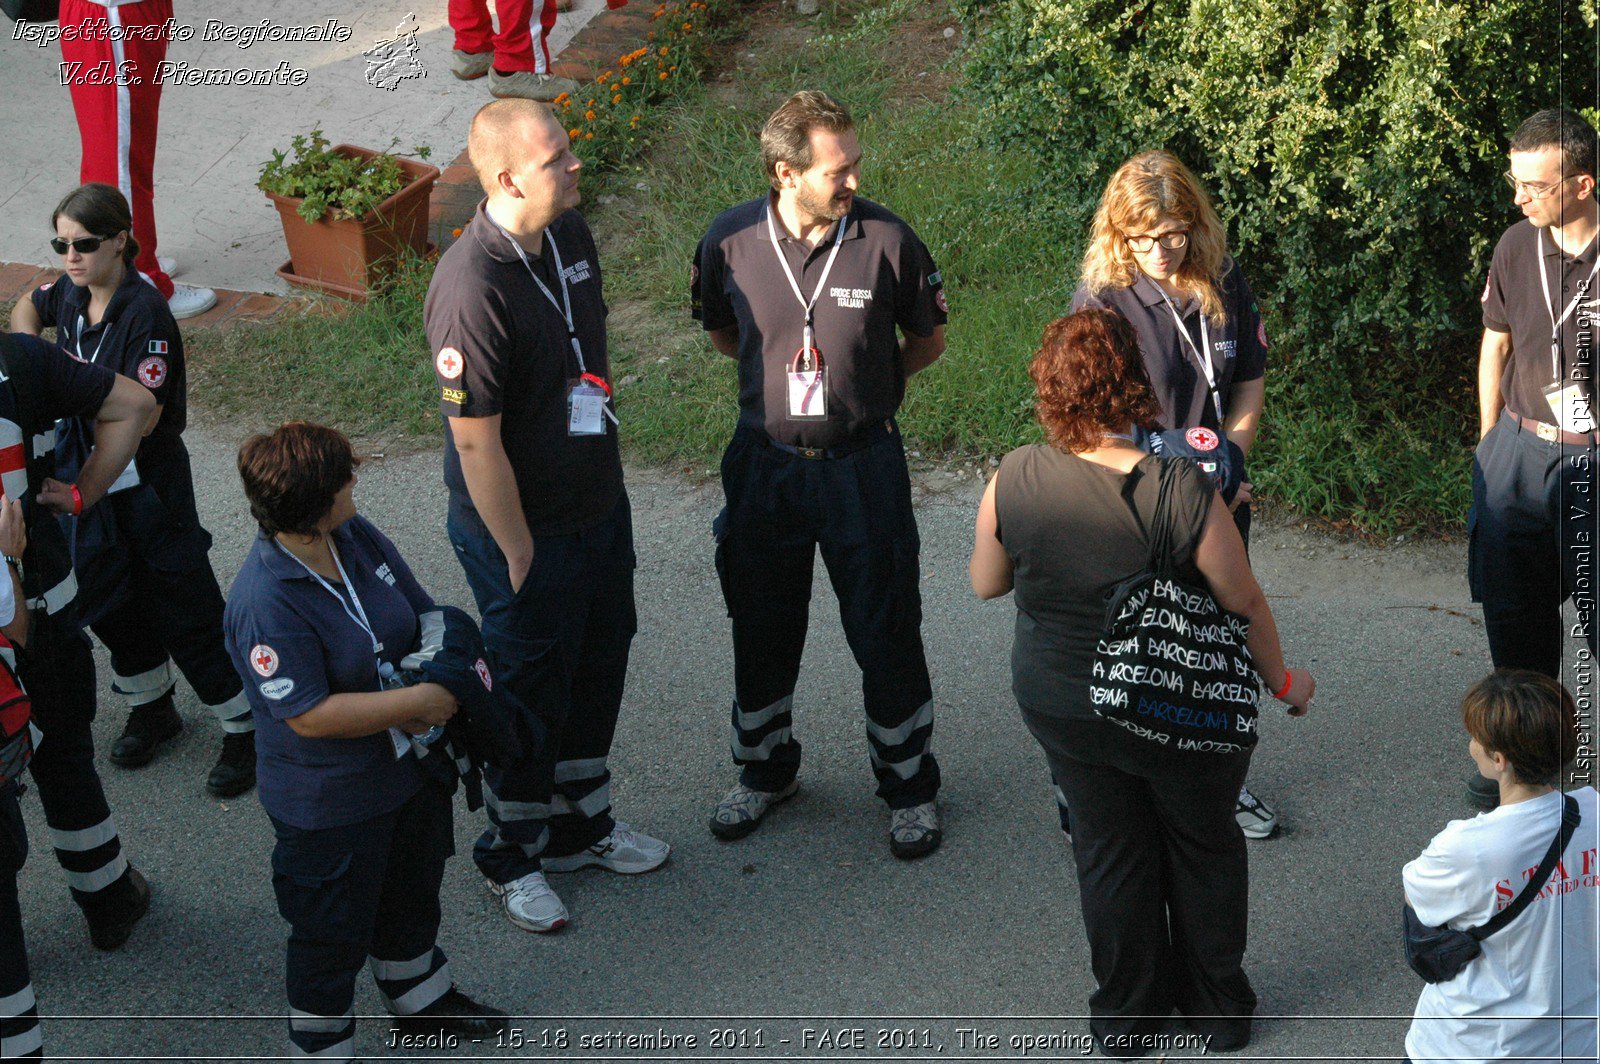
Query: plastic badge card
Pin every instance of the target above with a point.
(1572, 408)
(586, 410)
(808, 386)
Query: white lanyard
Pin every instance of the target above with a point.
(565, 306)
(358, 615)
(1550, 304)
(1202, 354)
(794, 285)
(83, 326)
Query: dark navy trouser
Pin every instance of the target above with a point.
(560, 644)
(362, 893)
(1533, 532)
(781, 508)
(176, 617)
(19, 1016)
(57, 668)
(1163, 879)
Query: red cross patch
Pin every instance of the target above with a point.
(263, 659)
(1201, 439)
(482, 668)
(449, 363)
(153, 372)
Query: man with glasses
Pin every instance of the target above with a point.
(1533, 500)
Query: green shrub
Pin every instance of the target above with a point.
(1354, 150)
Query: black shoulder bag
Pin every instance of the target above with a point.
(1439, 953)
(1172, 666)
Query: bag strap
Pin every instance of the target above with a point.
(1569, 824)
(1162, 532)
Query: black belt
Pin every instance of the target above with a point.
(870, 436)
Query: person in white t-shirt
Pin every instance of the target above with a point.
(1531, 995)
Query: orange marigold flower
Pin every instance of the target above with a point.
(688, 25)
(588, 136)
(588, 116)
(627, 81)
(615, 86)
(636, 118)
(573, 133)
(663, 49)
(673, 69)
(457, 230)
(589, 104)
(662, 75)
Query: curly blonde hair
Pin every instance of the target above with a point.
(1147, 187)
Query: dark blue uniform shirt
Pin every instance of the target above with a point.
(294, 644)
(1238, 347)
(64, 388)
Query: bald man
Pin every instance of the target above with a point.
(538, 514)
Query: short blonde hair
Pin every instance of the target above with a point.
(1147, 187)
(492, 138)
(787, 135)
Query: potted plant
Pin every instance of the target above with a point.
(348, 213)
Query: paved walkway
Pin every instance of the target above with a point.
(211, 218)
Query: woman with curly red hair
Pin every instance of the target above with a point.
(1162, 869)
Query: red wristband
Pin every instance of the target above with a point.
(1288, 682)
(77, 500)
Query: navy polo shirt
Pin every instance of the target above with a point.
(500, 347)
(1238, 346)
(1514, 303)
(294, 644)
(883, 278)
(66, 388)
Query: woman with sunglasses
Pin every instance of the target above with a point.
(146, 585)
(1158, 257)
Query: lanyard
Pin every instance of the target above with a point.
(794, 285)
(83, 326)
(358, 614)
(1550, 305)
(565, 306)
(1203, 356)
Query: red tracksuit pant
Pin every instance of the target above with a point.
(513, 47)
(117, 101)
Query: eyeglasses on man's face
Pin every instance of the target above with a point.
(1535, 190)
(1173, 241)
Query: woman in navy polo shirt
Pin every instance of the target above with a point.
(320, 616)
(1158, 256)
(146, 587)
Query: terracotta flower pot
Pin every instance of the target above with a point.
(351, 257)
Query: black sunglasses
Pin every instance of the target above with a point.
(84, 245)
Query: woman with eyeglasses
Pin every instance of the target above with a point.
(1158, 257)
(146, 587)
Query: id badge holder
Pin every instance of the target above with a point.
(807, 386)
(1571, 408)
(586, 409)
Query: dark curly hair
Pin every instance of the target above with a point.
(1090, 380)
(291, 475)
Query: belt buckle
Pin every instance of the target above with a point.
(809, 452)
(1547, 433)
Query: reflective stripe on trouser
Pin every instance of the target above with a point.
(560, 645)
(857, 509)
(19, 1015)
(365, 893)
(146, 687)
(58, 671)
(234, 715)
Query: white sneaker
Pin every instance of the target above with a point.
(470, 66)
(741, 811)
(914, 832)
(527, 85)
(187, 301)
(530, 903)
(1255, 817)
(625, 851)
(168, 266)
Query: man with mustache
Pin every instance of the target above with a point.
(1533, 479)
(806, 287)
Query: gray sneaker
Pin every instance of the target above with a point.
(741, 811)
(530, 903)
(914, 832)
(529, 86)
(1256, 819)
(470, 66)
